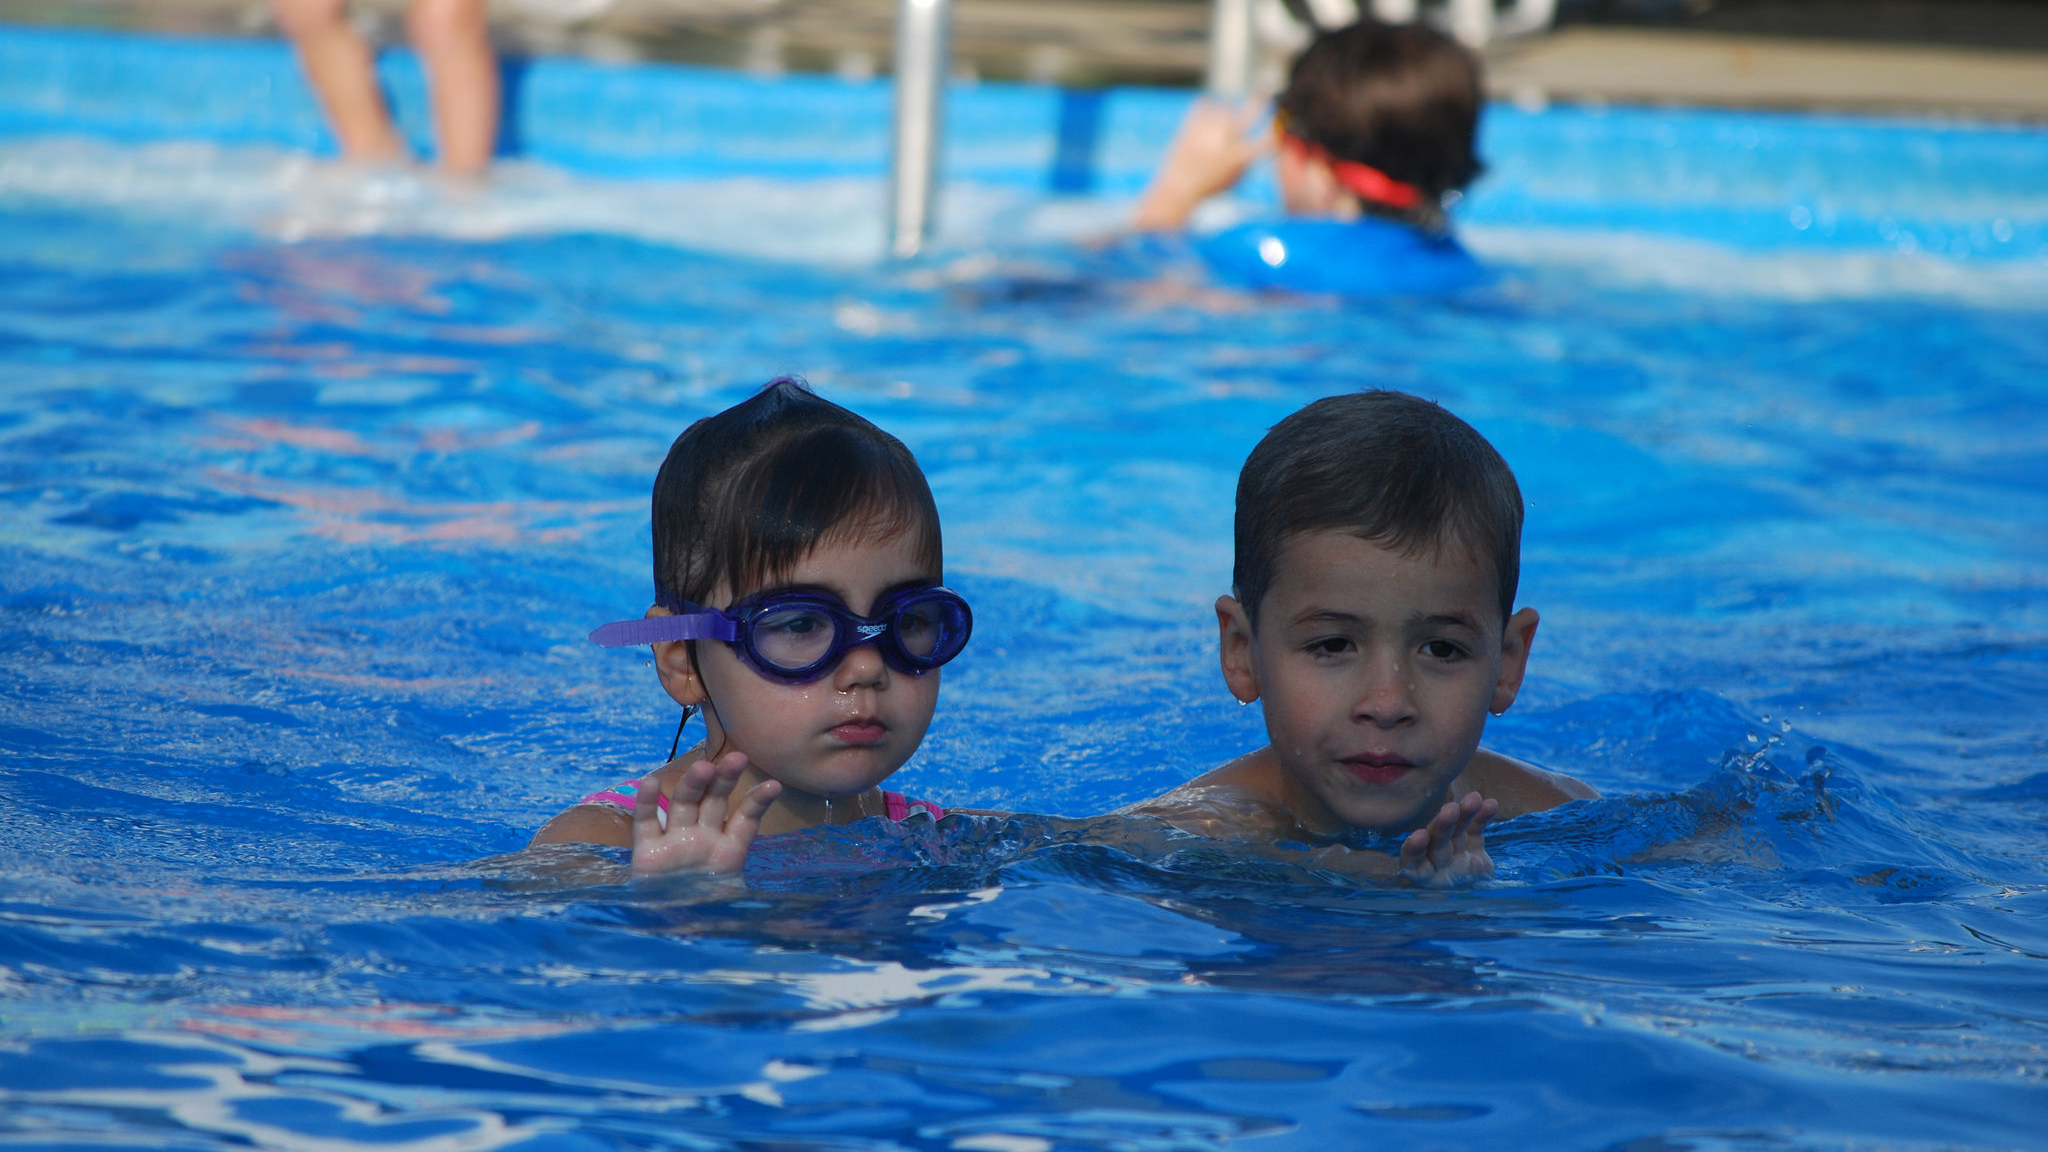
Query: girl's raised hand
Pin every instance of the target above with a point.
(708, 830)
(1451, 851)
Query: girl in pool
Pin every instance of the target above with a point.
(798, 605)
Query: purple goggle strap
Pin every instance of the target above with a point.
(695, 622)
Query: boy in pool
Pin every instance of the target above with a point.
(1373, 136)
(798, 604)
(1378, 551)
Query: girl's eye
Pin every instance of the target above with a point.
(1442, 650)
(796, 623)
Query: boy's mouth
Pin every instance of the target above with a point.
(860, 731)
(1378, 768)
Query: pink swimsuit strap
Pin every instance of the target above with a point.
(624, 796)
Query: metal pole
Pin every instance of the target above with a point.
(1230, 48)
(924, 38)
(1472, 22)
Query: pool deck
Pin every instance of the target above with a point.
(1088, 42)
(1637, 66)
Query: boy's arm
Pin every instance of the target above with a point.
(1208, 155)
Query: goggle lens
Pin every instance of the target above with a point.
(932, 630)
(915, 631)
(794, 638)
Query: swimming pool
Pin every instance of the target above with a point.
(313, 485)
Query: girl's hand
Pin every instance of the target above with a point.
(707, 830)
(1208, 155)
(1451, 851)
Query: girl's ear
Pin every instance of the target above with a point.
(677, 671)
(1515, 641)
(1234, 648)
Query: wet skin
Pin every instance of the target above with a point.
(1378, 669)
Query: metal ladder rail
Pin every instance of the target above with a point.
(924, 50)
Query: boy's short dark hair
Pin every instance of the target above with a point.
(1388, 467)
(746, 494)
(1402, 98)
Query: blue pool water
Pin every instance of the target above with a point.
(311, 484)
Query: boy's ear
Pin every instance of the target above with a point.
(677, 671)
(1515, 640)
(1234, 649)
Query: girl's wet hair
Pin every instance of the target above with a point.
(1387, 467)
(746, 494)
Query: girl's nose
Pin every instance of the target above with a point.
(862, 668)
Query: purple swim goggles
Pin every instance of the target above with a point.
(797, 636)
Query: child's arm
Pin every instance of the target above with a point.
(1521, 788)
(707, 831)
(1209, 155)
(1451, 850)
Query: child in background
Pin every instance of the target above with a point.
(798, 604)
(1374, 135)
(1378, 551)
(453, 40)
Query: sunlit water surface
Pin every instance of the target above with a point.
(309, 501)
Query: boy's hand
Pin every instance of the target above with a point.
(1451, 851)
(707, 830)
(1209, 155)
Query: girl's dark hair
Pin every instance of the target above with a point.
(1387, 467)
(1402, 98)
(746, 494)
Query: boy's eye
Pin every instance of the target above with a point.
(1329, 646)
(1441, 650)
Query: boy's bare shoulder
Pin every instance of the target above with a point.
(1234, 802)
(1520, 788)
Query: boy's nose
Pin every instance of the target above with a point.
(1387, 698)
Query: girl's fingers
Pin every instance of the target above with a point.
(717, 795)
(755, 803)
(745, 820)
(724, 776)
(684, 796)
(646, 813)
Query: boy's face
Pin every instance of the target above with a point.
(844, 732)
(1377, 670)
